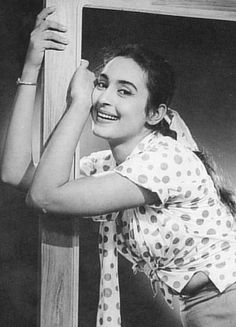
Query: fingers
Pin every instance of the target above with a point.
(84, 63)
(44, 14)
(48, 40)
(50, 24)
(50, 45)
(44, 24)
(50, 35)
(54, 41)
(81, 85)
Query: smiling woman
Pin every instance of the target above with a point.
(158, 201)
(127, 88)
(121, 93)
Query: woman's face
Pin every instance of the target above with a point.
(119, 101)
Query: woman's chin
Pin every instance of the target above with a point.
(99, 132)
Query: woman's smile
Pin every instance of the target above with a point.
(103, 116)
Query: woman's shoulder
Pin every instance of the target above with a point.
(167, 146)
(167, 155)
(167, 141)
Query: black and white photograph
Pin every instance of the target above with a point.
(117, 161)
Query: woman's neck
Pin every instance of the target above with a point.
(122, 150)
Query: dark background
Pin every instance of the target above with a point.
(203, 54)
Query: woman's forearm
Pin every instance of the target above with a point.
(16, 168)
(17, 151)
(56, 162)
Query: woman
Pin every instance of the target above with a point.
(158, 200)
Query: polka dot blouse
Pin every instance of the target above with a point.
(186, 231)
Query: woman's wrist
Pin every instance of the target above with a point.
(79, 109)
(30, 74)
(81, 103)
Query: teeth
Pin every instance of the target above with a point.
(106, 116)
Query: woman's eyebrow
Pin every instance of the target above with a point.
(127, 83)
(102, 75)
(121, 81)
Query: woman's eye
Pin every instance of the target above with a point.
(100, 84)
(124, 92)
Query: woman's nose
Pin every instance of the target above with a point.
(106, 96)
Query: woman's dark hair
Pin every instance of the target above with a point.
(227, 196)
(161, 85)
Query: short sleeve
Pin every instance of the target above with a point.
(96, 162)
(168, 171)
(87, 166)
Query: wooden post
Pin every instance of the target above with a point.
(59, 235)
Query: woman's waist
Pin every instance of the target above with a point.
(197, 282)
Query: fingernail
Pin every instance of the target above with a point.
(83, 62)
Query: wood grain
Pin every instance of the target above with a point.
(59, 272)
(212, 9)
(59, 235)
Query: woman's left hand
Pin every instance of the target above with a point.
(82, 85)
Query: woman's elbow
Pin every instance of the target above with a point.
(36, 200)
(42, 200)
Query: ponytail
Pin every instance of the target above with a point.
(226, 196)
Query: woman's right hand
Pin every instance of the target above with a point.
(47, 35)
(82, 85)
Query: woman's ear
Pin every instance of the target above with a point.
(155, 115)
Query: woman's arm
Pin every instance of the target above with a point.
(51, 189)
(17, 168)
(90, 196)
